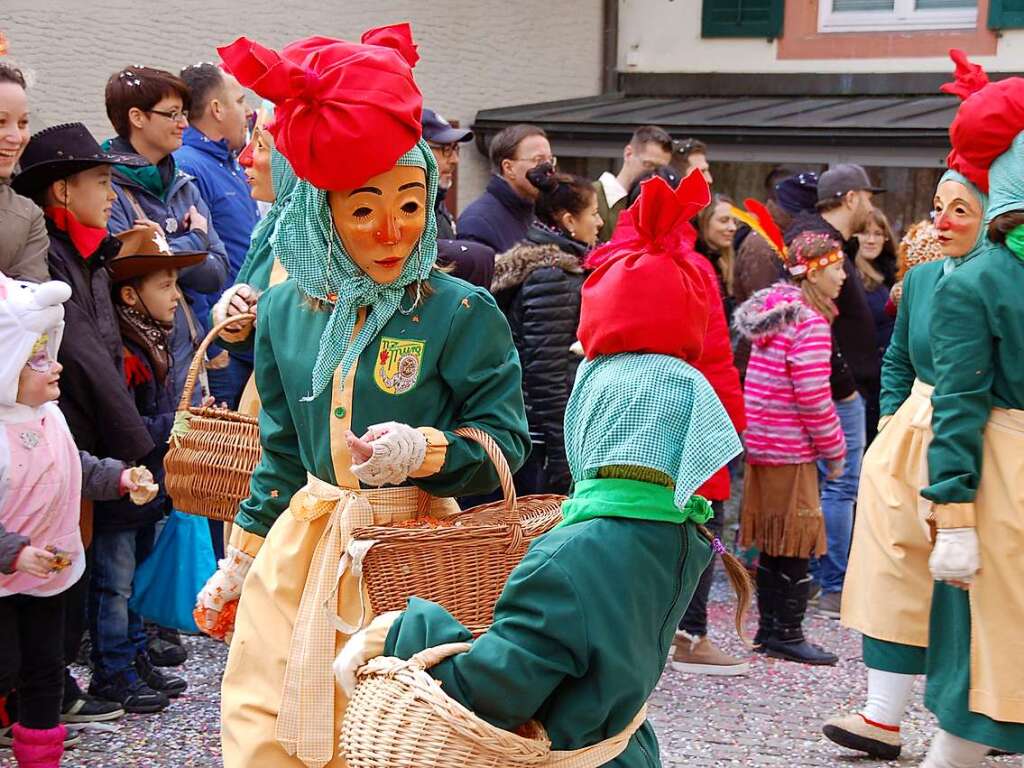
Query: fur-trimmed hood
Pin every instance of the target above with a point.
(512, 267)
(770, 311)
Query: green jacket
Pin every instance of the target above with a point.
(609, 214)
(464, 371)
(909, 354)
(977, 339)
(580, 633)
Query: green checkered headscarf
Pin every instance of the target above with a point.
(647, 410)
(306, 240)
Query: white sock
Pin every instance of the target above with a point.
(949, 751)
(888, 696)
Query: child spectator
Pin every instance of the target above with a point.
(144, 275)
(791, 423)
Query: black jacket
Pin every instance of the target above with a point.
(445, 220)
(499, 218)
(855, 365)
(155, 403)
(537, 284)
(99, 409)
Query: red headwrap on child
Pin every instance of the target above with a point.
(646, 296)
(991, 116)
(368, 105)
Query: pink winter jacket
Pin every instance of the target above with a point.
(791, 418)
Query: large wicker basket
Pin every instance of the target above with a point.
(399, 715)
(208, 468)
(463, 567)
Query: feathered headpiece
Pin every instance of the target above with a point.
(759, 219)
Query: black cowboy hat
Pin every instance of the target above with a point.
(60, 151)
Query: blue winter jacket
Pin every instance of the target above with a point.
(498, 218)
(202, 283)
(214, 169)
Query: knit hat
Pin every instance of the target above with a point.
(645, 296)
(336, 99)
(919, 246)
(990, 117)
(798, 193)
(31, 319)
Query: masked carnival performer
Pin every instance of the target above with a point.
(364, 338)
(888, 586)
(585, 622)
(976, 457)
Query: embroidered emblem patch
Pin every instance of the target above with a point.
(398, 365)
(29, 439)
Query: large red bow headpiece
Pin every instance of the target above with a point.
(344, 112)
(646, 296)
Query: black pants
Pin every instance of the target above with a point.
(695, 620)
(32, 657)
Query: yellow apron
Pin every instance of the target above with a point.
(278, 688)
(887, 594)
(997, 595)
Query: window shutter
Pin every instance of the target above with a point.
(744, 18)
(1006, 14)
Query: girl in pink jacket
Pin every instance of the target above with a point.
(791, 423)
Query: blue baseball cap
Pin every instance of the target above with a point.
(439, 131)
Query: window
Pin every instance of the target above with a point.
(741, 18)
(1006, 14)
(898, 15)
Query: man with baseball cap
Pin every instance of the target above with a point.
(844, 205)
(472, 261)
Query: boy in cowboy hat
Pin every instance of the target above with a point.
(145, 291)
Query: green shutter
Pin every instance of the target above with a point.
(744, 18)
(1006, 14)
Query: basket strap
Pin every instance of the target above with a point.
(431, 657)
(197, 359)
(504, 475)
(598, 754)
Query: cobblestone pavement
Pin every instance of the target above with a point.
(771, 717)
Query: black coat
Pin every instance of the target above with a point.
(94, 398)
(855, 365)
(155, 403)
(499, 218)
(538, 286)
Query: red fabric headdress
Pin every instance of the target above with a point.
(345, 112)
(991, 115)
(646, 296)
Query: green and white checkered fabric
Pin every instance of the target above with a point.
(651, 411)
(305, 241)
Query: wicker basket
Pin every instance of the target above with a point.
(399, 715)
(464, 567)
(209, 467)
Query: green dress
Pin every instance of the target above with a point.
(908, 357)
(461, 369)
(977, 337)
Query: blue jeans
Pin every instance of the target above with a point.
(117, 632)
(226, 384)
(838, 498)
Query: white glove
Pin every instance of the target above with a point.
(956, 555)
(398, 451)
(224, 587)
(364, 645)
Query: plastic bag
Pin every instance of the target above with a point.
(167, 582)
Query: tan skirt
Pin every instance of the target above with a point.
(781, 512)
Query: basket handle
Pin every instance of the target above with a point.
(497, 458)
(431, 657)
(197, 359)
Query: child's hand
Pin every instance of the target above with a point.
(195, 221)
(835, 468)
(35, 562)
(139, 485)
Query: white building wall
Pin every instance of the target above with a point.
(475, 54)
(665, 36)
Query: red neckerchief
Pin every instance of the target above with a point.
(85, 239)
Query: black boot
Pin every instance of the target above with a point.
(170, 685)
(767, 595)
(789, 642)
(164, 646)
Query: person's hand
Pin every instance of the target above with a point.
(145, 223)
(35, 562)
(387, 454)
(214, 611)
(361, 647)
(834, 468)
(956, 557)
(243, 301)
(138, 483)
(127, 484)
(195, 221)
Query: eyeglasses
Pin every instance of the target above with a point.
(538, 159)
(176, 117)
(447, 151)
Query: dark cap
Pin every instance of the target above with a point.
(798, 193)
(843, 178)
(61, 151)
(439, 131)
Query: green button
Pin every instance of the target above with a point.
(339, 412)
